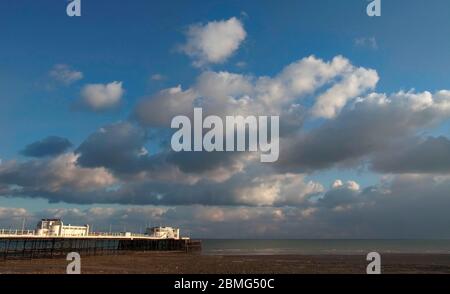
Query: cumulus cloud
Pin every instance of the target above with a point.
(157, 182)
(213, 42)
(174, 101)
(117, 147)
(369, 125)
(64, 74)
(243, 188)
(351, 185)
(407, 206)
(304, 77)
(225, 93)
(334, 99)
(101, 97)
(278, 190)
(341, 196)
(120, 148)
(48, 146)
(57, 178)
(213, 165)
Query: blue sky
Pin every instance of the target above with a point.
(130, 42)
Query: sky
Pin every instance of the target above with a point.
(364, 105)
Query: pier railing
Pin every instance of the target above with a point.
(24, 233)
(17, 232)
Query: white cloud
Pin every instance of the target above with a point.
(281, 189)
(225, 93)
(64, 74)
(223, 84)
(337, 184)
(157, 77)
(63, 171)
(213, 42)
(56, 175)
(307, 74)
(330, 103)
(369, 42)
(98, 97)
(352, 185)
(241, 64)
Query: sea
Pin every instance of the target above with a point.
(322, 246)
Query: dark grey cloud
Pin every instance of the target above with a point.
(121, 148)
(370, 125)
(430, 155)
(161, 108)
(199, 162)
(341, 195)
(406, 207)
(49, 146)
(118, 147)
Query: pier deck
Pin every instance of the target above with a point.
(30, 247)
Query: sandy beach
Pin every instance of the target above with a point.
(179, 263)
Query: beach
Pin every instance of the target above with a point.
(180, 263)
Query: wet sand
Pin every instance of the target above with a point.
(180, 263)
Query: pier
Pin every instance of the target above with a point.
(54, 239)
(26, 247)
